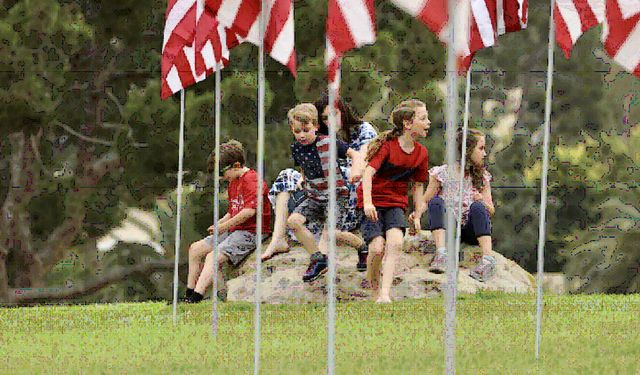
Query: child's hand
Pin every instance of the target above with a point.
(415, 220)
(370, 212)
(356, 175)
(477, 196)
(212, 228)
(299, 184)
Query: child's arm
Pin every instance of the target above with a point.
(432, 190)
(486, 198)
(418, 204)
(367, 180)
(241, 217)
(357, 164)
(222, 220)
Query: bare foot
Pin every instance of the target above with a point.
(276, 246)
(383, 299)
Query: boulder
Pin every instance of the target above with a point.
(282, 276)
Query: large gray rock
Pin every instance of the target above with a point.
(282, 277)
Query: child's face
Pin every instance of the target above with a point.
(325, 117)
(479, 153)
(231, 172)
(305, 134)
(419, 126)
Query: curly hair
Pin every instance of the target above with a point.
(476, 172)
(404, 111)
(231, 152)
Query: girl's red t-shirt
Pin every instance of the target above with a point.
(394, 170)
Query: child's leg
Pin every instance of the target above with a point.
(206, 276)
(197, 251)
(392, 253)
(436, 221)
(480, 221)
(349, 239)
(278, 242)
(308, 208)
(374, 262)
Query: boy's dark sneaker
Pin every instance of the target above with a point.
(317, 267)
(222, 295)
(362, 258)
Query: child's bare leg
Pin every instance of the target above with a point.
(392, 253)
(279, 242)
(303, 235)
(374, 260)
(197, 251)
(349, 239)
(206, 277)
(485, 245)
(438, 237)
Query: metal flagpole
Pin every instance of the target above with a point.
(260, 197)
(331, 295)
(178, 208)
(451, 114)
(216, 204)
(463, 160)
(545, 172)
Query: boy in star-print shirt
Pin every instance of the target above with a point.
(311, 153)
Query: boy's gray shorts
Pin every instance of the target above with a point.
(317, 211)
(236, 245)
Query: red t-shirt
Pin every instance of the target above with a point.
(242, 194)
(394, 170)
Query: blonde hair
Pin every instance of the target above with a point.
(230, 153)
(304, 113)
(404, 111)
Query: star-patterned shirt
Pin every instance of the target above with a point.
(314, 161)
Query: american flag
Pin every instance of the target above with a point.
(242, 18)
(573, 18)
(350, 24)
(178, 52)
(621, 33)
(477, 23)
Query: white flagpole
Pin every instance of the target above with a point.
(545, 172)
(216, 204)
(451, 114)
(260, 198)
(463, 159)
(178, 208)
(331, 223)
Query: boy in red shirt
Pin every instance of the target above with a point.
(394, 160)
(237, 229)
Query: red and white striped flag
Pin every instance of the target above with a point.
(178, 53)
(621, 33)
(242, 18)
(350, 24)
(476, 26)
(573, 18)
(210, 42)
(512, 15)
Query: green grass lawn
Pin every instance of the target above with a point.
(593, 334)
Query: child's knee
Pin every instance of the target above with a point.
(195, 250)
(478, 208)
(295, 221)
(376, 247)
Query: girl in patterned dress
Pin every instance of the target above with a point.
(286, 192)
(477, 205)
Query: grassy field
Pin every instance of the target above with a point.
(581, 334)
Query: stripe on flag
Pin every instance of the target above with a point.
(573, 18)
(621, 33)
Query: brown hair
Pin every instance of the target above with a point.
(304, 113)
(230, 153)
(470, 169)
(404, 111)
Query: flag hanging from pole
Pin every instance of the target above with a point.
(573, 18)
(178, 53)
(211, 43)
(242, 18)
(477, 24)
(512, 15)
(621, 33)
(350, 24)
